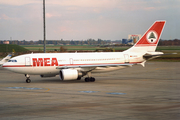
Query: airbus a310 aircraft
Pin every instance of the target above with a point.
(73, 66)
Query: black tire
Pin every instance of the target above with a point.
(87, 79)
(92, 79)
(28, 80)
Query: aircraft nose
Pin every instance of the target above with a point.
(8, 66)
(5, 65)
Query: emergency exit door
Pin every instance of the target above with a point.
(126, 58)
(71, 61)
(27, 61)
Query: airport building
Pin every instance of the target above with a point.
(5, 42)
(134, 38)
(124, 41)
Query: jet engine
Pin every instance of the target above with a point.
(69, 74)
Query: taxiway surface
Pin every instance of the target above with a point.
(135, 93)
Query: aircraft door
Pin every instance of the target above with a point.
(27, 61)
(71, 61)
(126, 58)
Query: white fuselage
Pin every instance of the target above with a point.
(46, 63)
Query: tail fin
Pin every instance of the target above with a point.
(150, 39)
(5, 59)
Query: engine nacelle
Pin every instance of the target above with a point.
(48, 75)
(68, 74)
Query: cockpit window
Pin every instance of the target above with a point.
(12, 61)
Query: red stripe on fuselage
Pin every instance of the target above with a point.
(97, 64)
(67, 64)
(17, 66)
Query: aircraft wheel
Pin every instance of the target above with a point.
(87, 79)
(28, 80)
(92, 79)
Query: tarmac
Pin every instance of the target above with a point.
(135, 93)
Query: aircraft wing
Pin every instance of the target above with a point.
(92, 66)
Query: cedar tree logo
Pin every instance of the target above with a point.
(151, 36)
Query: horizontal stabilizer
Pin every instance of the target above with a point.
(151, 56)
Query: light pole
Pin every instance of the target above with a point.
(44, 26)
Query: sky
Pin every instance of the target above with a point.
(84, 19)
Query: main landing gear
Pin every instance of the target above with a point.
(89, 78)
(27, 78)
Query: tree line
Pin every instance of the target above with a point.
(175, 42)
(59, 42)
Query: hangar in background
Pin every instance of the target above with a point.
(134, 38)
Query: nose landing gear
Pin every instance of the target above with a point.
(27, 78)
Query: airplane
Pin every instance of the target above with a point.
(6, 59)
(74, 66)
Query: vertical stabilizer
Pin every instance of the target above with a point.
(150, 39)
(5, 59)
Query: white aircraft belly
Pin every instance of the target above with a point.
(45, 70)
(35, 70)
